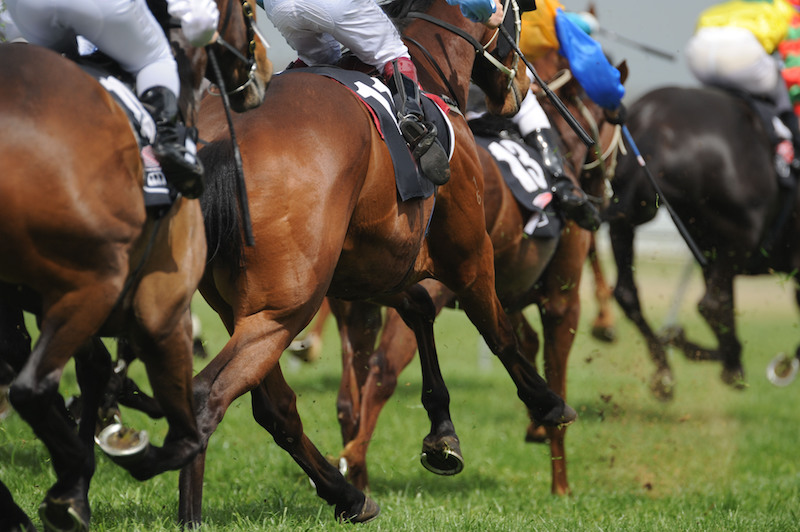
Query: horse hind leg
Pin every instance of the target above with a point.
(275, 409)
(34, 394)
(717, 308)
(604, 324)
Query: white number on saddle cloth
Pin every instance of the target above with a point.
(524, 168)
(379, 93)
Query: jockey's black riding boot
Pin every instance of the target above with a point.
(401, 75)
(571, 198)
(179, 163)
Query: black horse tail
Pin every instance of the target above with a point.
(220, 207)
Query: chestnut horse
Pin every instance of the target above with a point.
(79, 250)
(712, 159)
(327, 221)
(528, 271)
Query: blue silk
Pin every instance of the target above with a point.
(599, 78)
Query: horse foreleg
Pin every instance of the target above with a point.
(359, 324)
(604, 325)
(627, 295)
(441, 450)
(34, 394)
(190, 487)
(529, 347)
(485, 312)
(167, 358)
(395, 351)
(125, 391)
(275, 409)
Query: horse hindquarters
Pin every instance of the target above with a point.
(268, 293)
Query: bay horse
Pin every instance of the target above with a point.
(545, 272)
(327, 221)
(82, 254)
(710, 155)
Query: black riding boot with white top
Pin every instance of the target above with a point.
(401, 75)
(180, 165)
(572, 200)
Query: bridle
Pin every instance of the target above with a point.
(480, 49)
(252, 33)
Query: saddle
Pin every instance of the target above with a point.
(377, 98)
(524, 172)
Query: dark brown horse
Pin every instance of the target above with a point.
(712, 159)
(528, 271)
(328, 221)
(79, 250)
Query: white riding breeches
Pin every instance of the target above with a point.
(317, 29)
(733, 58)
(125, 30)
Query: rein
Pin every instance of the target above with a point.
(252, 33)
(480, 49)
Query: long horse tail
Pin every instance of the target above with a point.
(221, 213)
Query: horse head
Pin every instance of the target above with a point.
(446, 65)
(241, 57)
(592, 165)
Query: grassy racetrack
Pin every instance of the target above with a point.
(712, 459)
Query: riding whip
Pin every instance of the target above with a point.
(249, 240)
(562, 109)
(634, 44)
(698, 255)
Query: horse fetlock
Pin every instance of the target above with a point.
(552, 411)
(734, 377)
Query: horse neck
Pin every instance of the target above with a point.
(453, 54)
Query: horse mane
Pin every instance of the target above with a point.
(398, 9)
(220, 209)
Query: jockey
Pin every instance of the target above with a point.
(789, 49)
(317, 29)
(550, 28)
(735, 47)
(127, 31)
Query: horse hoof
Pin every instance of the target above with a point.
(122, 444)
(61, 516)
(442, 457)
(369, 511)
(734, 378)
(662, 386)
(308, 349)
(782, 370)
(604, 334)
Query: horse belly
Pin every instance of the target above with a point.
(383, 254)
